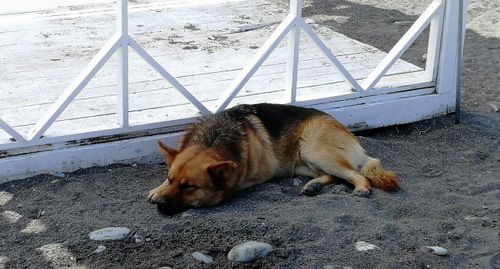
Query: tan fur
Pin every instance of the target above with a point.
(318, 147)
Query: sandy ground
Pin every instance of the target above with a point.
(450, 193)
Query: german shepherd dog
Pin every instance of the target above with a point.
(251, 144)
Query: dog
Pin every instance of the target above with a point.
(251, 144)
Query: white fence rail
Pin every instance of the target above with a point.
(442, 63)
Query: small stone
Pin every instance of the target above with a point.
(424, 56)
(40, 214)
(147, 239)
(471, 218)
(363, 246)
(202, 257)
(59, 174)
(328, 267)
(5, 197)
(138, 240)
(341, 19)
(310, 21)
(134, 165)
(440, 251)
(100, 249)
(297, 182)
(165, 267)
(403, 22)
(110, 233)
(249, 251)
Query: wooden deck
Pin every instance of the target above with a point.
(203, 45)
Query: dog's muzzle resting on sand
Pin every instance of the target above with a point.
(250, 144)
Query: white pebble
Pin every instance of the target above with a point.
(363, 246)
(440, 251)
(5, 197)
(100, 249)
(341, 19)
(110, 233)
(297, 182)
(202, 257)
(310, 21)
(59, 174)
(249, 251)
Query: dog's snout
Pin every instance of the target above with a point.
(158, 200)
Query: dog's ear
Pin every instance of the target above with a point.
(221, 172)
(168, 153)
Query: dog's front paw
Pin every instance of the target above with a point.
(153, 195)
(312, 189)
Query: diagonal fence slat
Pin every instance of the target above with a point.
(72, 91)
(329, 54)
(16, 135)
(165, 74)
(255, 62)
(402, 45)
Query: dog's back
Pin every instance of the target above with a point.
(226, 130)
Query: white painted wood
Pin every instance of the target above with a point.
(164, 73)
(402, 45)
(255, 63)
(143, 150)
(138, 150)
(328, 54)
(311, 80)
(9, 130)
(460, 42)
(293, 51)
(377, 114)
(434, 43)
(123, 76)
(73, 90)
(293, 63)
(449, 50)
(82, 128)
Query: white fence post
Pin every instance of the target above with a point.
(122, 24)
(293, 51)
(449, 50)
(431, 63)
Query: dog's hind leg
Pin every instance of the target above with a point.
(314, 186)
(334, 165)
(330, 149)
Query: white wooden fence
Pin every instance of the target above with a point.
(443, 61)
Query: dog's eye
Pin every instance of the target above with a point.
(187, 187)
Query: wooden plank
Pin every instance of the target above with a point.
(313, 84)
(434, 44)
(200, 81)
(49, 88)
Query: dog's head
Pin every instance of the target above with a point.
(196, 178)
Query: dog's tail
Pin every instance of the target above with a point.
(378, 176)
